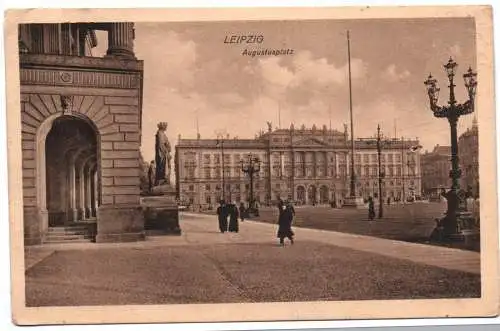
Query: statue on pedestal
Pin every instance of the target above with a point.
(163, 156)
(160, 206)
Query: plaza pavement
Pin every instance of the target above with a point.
(202, 229)
(203, 265)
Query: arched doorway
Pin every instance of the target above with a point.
(311, 195)
(323, 194)
(301, 195)
(71, 178)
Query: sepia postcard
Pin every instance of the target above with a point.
(251, 164)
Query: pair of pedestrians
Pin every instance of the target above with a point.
(225, 211)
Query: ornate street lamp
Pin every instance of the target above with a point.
(452, 112)
(251, 167)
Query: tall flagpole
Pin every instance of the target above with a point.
(353, 178)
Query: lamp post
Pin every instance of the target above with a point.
(381, 174)
(220, 142)
(452, 112)
(251, 167)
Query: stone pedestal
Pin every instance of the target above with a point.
(354, 202)
(161, 212)
(120, 223)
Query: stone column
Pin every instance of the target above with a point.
(96, 192)
(77, 193)
(121, 40)
(88, 192)
(83, 193)
(92, 192)
(72, 189)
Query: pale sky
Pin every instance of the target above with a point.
(190, 73)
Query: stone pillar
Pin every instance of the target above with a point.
(72, 190)
(88, 192)
(96, 192)
(51, 38)
(82, 193)
(92, 192)
(121, 40)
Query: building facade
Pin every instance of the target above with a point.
(468, 153)
(309, 166)
(436, 170)
(81, 124)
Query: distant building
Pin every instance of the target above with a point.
(436, 169)
(468, 149)
(310, 166)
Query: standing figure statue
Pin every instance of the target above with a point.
(151, 175)
(163, 157)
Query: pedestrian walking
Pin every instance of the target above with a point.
(233, 217)
(285, 219)
(242, 212)
(222, 216)
(371, 209)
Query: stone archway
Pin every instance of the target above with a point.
(71, 174)
(324, 194)
(301, 194)
(81, 164)
(311, 195)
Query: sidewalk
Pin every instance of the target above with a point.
(201, 229)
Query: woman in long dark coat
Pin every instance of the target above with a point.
(285, 219)
(222, 216)
(233, 218)
(371, 209)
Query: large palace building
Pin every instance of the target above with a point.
(310, 166)
(81, 124)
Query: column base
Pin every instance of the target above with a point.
(354, 202)
(120, 223)
(35, 225)
(121, 53)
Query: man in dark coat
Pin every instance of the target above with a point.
(371, 209)
(222, 216)
(285, 218)
(242, 211)
(233, 217)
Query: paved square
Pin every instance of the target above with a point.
(204, 266)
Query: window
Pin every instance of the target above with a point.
(207, 187)
(398, 158)
(191, 187)
(207, 173)
(389, 158)
(208, 199)
(365, 158)
(374, 158)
